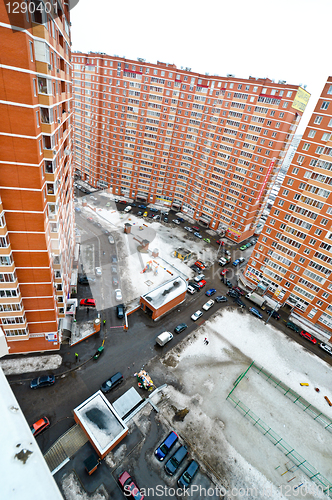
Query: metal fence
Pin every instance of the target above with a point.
(302, 403)
(288, 450)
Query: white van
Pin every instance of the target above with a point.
(163, 338)
(127, 209)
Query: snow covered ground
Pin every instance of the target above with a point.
(201, 376)
(162, 237)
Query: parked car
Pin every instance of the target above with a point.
(195, 268)
(237, 289)
(233, 293)
(223, 272)
(163, 338)
(156, 217)
(255, 312)
(198, 235)
(274, 314)
(145, 214)
(127, 209)
(114, 270)
(151, 215)
(140, 212)
(196, 315)
(236, 262)
(199, 277)
(175, 461)
(191, 289)
(44, 381)
(114, 259)
(105, 231)
(120, 311)
(165, 219)
(84, 280)
(176, 221)
(210, 292)
(219, 242)
(77, 209)
(189, 229)
(208, 305)
(193, 285)
(39, 426)
(98, 271)
(123, 202)
(308, 336)
(111, 239)
(155, 210)
(239, 302)
(118, 294)
(129, 487)
(201, 283)
(181, 219)
(108, 204)
(243, 247)
(180, 328)
(293, 327)
(187, 475)
(142, 206)
(229, 284)
(115, 281)
(112, 382)
(166, 446)
(195, 228)
(221, 298)
(88, 302)
(207, 240)
(326, 348)
(200, 264)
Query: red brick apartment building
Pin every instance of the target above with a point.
(292, 259)
(208, 145)
(36, 207)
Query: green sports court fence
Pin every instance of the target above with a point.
(288, 450)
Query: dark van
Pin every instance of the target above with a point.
(174, 462)
(188, 474)
(120, 311)
(112, 382)
(166, 445)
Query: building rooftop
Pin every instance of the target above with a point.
(165, 292)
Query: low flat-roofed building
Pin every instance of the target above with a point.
(164, 297)
(101, 423)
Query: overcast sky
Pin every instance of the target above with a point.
(282, 40)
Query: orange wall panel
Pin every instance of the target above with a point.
(36, 290)
(33, 275)
(22, 200)
(31, 259)
(25, 222)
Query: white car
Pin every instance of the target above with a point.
(196, 315)
(188, 229)
(98, 271)
(93, 198)
(191, 289)
(208, 305)
(326, 348)
(176, 221)
(118, 294)
(111, 239)
(127, 209)
(199, 277)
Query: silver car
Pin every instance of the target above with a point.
(118, 294)
(196, 315)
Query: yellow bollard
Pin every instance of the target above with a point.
(303, 383)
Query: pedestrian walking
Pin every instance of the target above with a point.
(76, 356)
(104, 322)
(206, 341)
(87, 311)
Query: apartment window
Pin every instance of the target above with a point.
(296, 196)
(325, 295)
(297, 269)
(276, 212)
(319, 150)
(255, 89)
(326, 136)
(306, 251)
(318, 120)
(330, 90)
(37, 118)
(301, 260)
(292, 276)
(31, 50)
(312, 313)
(306, 146)
(277, 124)
(285, 104)
(290, 182)
(280, 203)
(289, 93)
(312, 133)
(312, 241)
(325, 105)
(318, 232)
(287, 284)
(281, 115)
(324, 222)
(285, 192)
(295, 171)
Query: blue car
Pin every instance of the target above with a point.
(255, 312)
(210, 292)
(198, 235)
(166, 445)
(142, 206)
(236, 262)
(77, 209)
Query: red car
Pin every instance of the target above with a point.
(129, 487)
(308, 336)
(40, 425)
(195, 228)
(223, 272)
(237, 289)
(123, 202)
(200, 264)
(201, 283)
(219, 242)
(88, 302)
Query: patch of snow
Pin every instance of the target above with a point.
(32, 364)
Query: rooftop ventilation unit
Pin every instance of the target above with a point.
(230, 75)
(282, 81)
